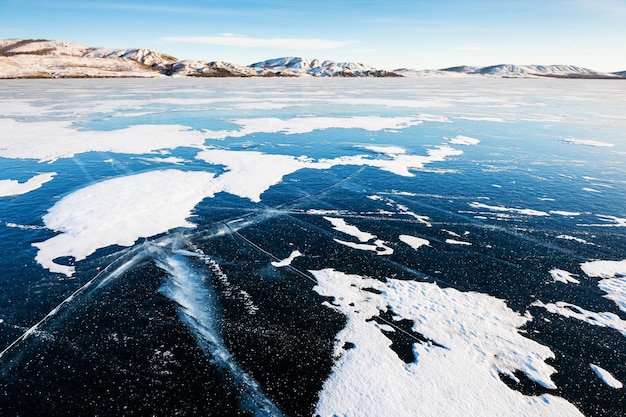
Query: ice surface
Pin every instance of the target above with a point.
(120, 211)
(13, 187)
(88, 222)
(266, 130)
(200, 311)
(606, 377)
(414, 241)
(565, 277)
(479, 338)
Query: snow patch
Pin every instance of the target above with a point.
(413, 241)
(604, 319)
(386, 150)
(604, 269)
(588, 142)
(457, 242)
(610, 221)
(13, 187)
(299, 125)
(574, 238)
(127, 208)
(343, 227)
(377, 246)
(606, 377)
(565, 213)
(49, 141)
(527, 212)
(482, 119)
(169, 160)
(24, 226)
(249, 173)
(287, 261)
(565, 277)
(464, 140)
(614, 279)
(474, 339)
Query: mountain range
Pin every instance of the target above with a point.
(30, 58)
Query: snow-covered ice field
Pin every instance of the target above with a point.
(307, 247)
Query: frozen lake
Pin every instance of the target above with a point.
(301, 247)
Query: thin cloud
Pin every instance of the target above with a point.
(247, 42)
(604, 6)
(469, 48)
(142, 8)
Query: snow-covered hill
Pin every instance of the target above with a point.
(297, 66)
(28, 58)
(196, 68)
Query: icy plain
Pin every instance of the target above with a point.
(320, 247)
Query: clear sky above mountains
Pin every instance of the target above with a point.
(388, 34)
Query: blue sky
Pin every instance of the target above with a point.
(385, 33)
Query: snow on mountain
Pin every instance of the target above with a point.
(413, 73)
(297, 66)
(531, 71)
(620, 74)
(145, 56)
(196, 68)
